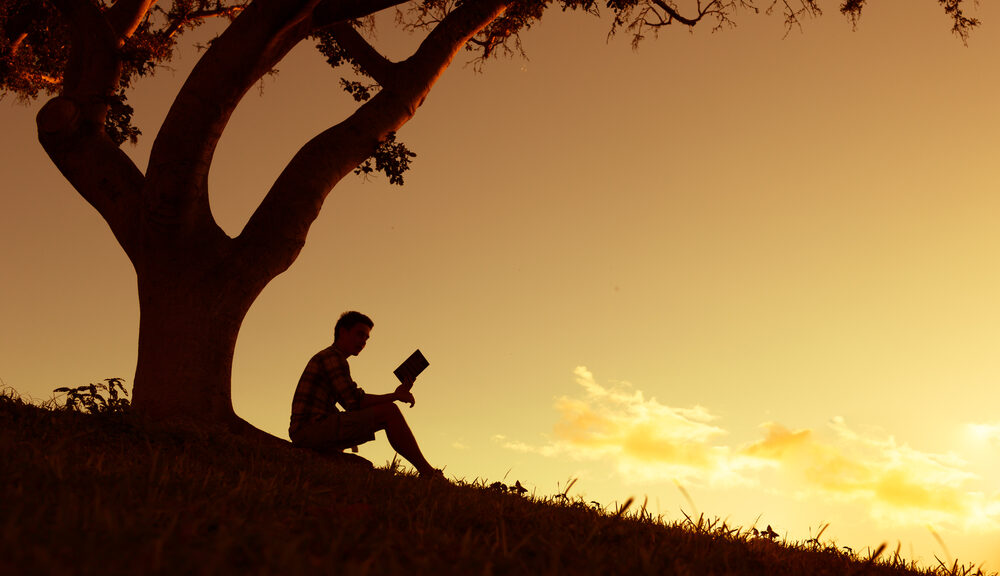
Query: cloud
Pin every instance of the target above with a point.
(646, 439)
(898, 484)
(989, 432)
(649, 441)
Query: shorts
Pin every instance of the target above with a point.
(336, 432)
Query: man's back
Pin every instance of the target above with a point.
(325, 382)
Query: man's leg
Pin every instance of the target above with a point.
(389, 418)
(321, 438)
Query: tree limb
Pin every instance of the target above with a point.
(363, 54)
(93, 66)
(96, 167)
(71, 126)
(259, 37)
(16, 42)
(277, 229)
(179, 23)
(673, 14)
(126, 15)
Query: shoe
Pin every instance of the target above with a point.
(435, 475)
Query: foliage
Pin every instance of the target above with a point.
(33, 48)
(35, 41)
(391, 158)
(34, 52)
(360, 91)
(962, 25)
(108, 397)
(176, 500)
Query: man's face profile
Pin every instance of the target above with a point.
(352, 340)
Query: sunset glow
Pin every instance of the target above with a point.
(748, 274)
(650, 442)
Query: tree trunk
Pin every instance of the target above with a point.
(195, 283)
(191, 307)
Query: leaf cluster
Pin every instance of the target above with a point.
(335, 54)
(35, 40)
(392, 158)
(962, 25)
(35, 44)
(107, 397)
(34, 48)
(360, 91)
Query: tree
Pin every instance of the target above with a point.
(195, 282)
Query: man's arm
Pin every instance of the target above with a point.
(401, 394)
(337, 372)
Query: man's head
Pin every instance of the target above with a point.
(351, 332)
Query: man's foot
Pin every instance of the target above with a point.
(433, 474)
(355, 460)
(347, 458)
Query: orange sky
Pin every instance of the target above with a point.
(762, 269)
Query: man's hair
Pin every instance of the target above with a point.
(349, 320)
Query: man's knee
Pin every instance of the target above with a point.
(387, 413)
(394, 413)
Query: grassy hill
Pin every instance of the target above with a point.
(107, 493)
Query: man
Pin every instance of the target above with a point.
(318, 424)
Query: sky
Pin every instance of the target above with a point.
(742, 274)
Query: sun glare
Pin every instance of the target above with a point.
(985, 433)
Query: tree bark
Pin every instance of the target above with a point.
(193, 297)
(185, 352)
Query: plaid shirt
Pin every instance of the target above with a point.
(325, 382)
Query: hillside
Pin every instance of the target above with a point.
(109, 494)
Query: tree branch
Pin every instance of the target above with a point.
(126, 15)
(277, 230)
(257, 39)
(71, 126)
(638, 16)
(179, 23)
(673, 14)
(16, 43)
(93, 66)
(363, 54)
(96, 167)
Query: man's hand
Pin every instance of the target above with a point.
(403, 394)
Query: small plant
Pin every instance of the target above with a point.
(109, 396)
(515, 488)
(770, 534)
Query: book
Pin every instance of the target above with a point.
(410, 368)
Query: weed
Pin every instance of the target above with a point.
(108, 397)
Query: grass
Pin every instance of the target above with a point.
(107, 493)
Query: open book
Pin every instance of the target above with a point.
(410, 368)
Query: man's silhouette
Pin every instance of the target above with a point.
(318, 424)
